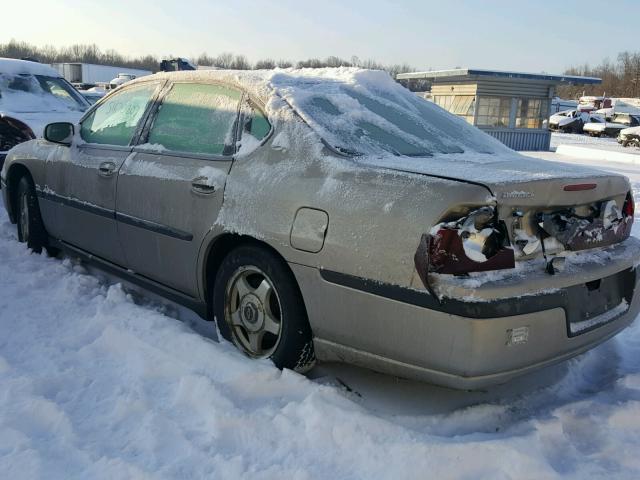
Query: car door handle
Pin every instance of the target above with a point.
(203, 186)
(106, 169)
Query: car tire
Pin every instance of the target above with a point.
(30, 226)
(258, 307)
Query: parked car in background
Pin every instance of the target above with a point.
(121, 79)
(85, 75)
(592, 103)
(598, 127)
(33, 95)
(629, 137)
(568, 121)
(176, 64)
(333, 214)
(92, 95)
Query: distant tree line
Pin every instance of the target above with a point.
(619, 79)
(92, 54)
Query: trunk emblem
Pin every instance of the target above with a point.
(580, 187)
(517, 195)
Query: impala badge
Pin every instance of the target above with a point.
(517, 195)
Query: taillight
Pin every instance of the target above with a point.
(629, 207)
(477, 242)
(13, 132)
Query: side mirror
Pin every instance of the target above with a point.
(59, 132)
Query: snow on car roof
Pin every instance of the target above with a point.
(13, 66)
(355, 110)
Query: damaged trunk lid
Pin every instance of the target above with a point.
(547, 207)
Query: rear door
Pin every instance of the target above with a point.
(81, 180)
(170, 191)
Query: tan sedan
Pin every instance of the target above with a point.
(331, 214)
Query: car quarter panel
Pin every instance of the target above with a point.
(376, 216)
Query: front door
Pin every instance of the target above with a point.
(82, 180)
(170, 190)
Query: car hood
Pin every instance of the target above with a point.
(631, 131)
(512, 178)
(561, 120)
(36, 121)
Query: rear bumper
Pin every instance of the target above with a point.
(467, 347)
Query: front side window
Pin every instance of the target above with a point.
(493, 111)
(115, 121)
(197, 118)
(531, 113)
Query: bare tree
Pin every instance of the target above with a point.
(266, 64)
(93, 54)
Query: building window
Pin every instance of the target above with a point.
(531, 113)
(493, 111)
(461, 105)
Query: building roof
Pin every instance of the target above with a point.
(475, 73)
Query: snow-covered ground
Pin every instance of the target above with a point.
(600, 143)
(98, 383)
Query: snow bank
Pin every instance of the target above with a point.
(93, 385)
(588, 153)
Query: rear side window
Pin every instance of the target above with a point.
(196, 118)
(258, 126)
(115, 121)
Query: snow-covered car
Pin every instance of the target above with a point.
(630, 137)
(92, 95)
(569, 121)
(33, 95)
(599, 127)
(121, 79)
(333, 214)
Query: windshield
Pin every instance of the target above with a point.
(374, 115)
(38, 93)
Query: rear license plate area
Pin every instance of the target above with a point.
(598, 302)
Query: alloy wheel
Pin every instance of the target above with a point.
(253, 312)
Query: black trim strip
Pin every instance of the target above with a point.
(121, 217)
(154, 227)
(566, 298)
(78, 204)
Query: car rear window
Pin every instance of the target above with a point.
(379, 117)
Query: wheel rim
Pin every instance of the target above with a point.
(24, 217)
(253, 312)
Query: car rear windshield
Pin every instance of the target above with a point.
(379, 117)
(38, 93)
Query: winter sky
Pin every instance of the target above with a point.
(542, 35)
